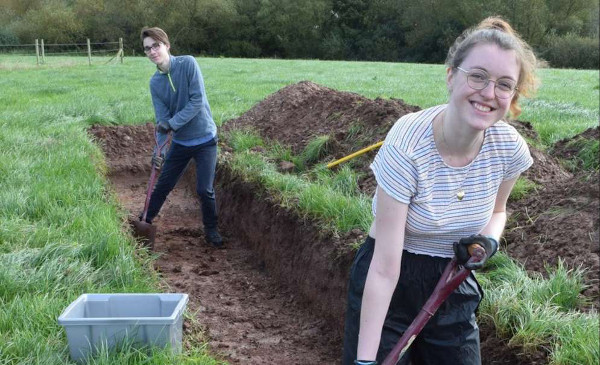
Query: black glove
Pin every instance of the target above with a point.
(158, 160)
(163, 127)
(461, 250)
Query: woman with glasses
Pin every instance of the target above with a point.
(181, 107)
(444, 175)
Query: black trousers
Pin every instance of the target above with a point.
(176, 161)
(450, 337)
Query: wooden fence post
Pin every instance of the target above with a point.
(37, 52)
(89, 47)
(121, 49)
(43, 52)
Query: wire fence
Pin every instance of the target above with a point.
(94, 51)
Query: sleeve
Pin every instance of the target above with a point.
(520, 161)
(396, 173)
(194, 104)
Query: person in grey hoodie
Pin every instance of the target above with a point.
(181, 108)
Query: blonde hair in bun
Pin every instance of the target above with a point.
(495, 30)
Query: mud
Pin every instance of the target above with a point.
(275, 295)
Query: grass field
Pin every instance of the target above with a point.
(60, 228)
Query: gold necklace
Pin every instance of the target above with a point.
(460, 194)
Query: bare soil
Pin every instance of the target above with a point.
(276, 294)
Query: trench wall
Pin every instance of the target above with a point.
(294, 250)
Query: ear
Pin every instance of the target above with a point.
(168, 47)
(449, 78)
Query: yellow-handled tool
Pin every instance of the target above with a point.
(357, 153)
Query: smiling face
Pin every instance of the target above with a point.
(480, 109)
(157, 52)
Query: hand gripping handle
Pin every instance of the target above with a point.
(449, 281)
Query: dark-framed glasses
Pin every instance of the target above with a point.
(479, 79)
(154, 47)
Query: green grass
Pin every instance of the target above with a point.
(316, 149)
(588, 155)
(61, 227)
(344, 180)
(539, 314)
(337, 211)
(522, 187)
(566, 104)
(243, 140)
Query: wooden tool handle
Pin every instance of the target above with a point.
(476, 250)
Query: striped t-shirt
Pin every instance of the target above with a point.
(409, 168)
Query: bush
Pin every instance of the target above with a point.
(572, 51)
(7, 37)
(242, 49)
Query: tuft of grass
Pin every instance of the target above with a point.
(522, 187)
(316, 149)
(533, 312)
(128, 352)
(242, 140)
(562, 288)
(344, 179)
(354, 130)
(279, 152)
(576, 342)
(588, 156)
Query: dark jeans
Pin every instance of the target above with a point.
(450, 337)
(178, 157)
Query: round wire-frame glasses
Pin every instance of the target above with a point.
(479, 79)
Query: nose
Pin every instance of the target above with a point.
(489, 91)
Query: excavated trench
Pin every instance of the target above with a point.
(275, 294)
(249, 299)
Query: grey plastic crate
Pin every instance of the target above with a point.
(96, 320)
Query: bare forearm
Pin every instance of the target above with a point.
(376, 300)
(495, 227)
(496, 224)
(384, 271)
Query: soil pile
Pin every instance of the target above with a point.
(300, 112)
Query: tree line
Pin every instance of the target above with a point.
(563, 32)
